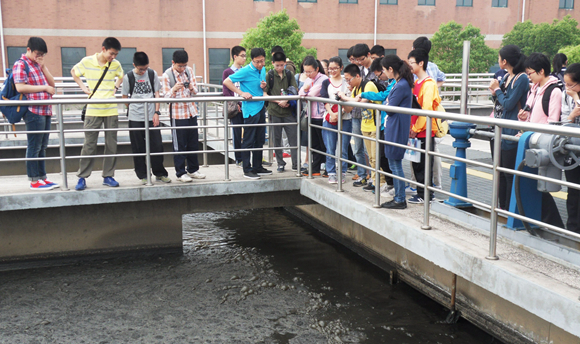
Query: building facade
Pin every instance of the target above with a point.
(75, 28)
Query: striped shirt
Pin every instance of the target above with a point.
(90, 68)
(182, 110)
(34, 77)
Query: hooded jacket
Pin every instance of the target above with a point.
(535, 96)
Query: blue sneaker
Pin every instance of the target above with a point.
(109, 181)
(81, 185)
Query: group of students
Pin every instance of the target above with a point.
(104, 76)
(370, 77)
(531, 89)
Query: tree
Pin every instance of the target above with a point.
(277, 29)
(447, 48)
(544, 38)
(572, 53)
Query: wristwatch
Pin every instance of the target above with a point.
(158, 113)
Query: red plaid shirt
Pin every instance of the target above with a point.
(35, 77)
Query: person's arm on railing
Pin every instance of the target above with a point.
(230, 85)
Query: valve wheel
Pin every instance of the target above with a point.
(557, 146)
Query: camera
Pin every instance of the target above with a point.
(337, 97)
(527, 108)
(186, 84)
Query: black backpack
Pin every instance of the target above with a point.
(548, 93)
(380, 87)
(131, 76)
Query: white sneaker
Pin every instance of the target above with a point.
(196, 175)
(391, 192)
(185, 178)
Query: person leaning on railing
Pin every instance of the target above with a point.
(538, 70)
(510, 96)
(571, 113)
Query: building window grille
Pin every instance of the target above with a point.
(389, 2)
(426, 2)
(567, 4)
(464, 3)
(348, 1)
(499, 3)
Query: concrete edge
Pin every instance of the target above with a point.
(546, 300)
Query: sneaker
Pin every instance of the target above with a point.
(392, 192)
(48, 182)
(110, 181)
(196, 175)
(344, 178)
(332, 179)
(81, 185)
(394, 205)
(266, 163)
(305, 165)
(360, 182)
(437, 187)
(294, 169)
(163, 179)
(314, 174)
(416, 200)
(240, 164)
(356, 177)
(386, 188)
(369, 187)
(143, 181)
(280, 169)
(184, 178)
(251, 175)
(40, 186)
(409, 190)
(325, 174)
(263, 172)
(352, 167)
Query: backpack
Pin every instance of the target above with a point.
(380, 87)
(547, 94)
(131, 76)
(13, 113)
(442, 125)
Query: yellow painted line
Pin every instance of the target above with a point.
(488, 176)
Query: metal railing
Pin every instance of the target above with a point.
(497, 124)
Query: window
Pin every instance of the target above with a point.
(348, 1)
(265, 0)
(390, 52)
(342, 55)
(70, 57)
(14, 54)
(125, 57)
(167, 54)
(465, 3)
(426, 2)
(307, 0)
(389, 2)
(567, 4)
(219, 59)
(499, 3)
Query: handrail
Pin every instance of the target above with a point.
(204, 99)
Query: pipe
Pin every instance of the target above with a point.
(376, 8)
(2, 42)
(523, 11)
(465, 77)
(204, 46)
(494, 196)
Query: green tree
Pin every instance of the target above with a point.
(572, 52)
(447, 48)
(544, 38)
(277, 29)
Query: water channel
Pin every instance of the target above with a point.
(259, 276)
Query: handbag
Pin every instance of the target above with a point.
(232, 109)
(84, 110)
(411, 155)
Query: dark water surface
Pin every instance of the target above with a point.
(256, 276)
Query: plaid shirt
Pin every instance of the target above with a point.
(34, 77)
(183, 110)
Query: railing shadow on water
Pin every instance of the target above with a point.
(220, 106)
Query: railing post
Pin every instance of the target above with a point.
(494, 195)
(309, 151)
(377, 166)
(204, 121)
(62, 149)
(271, 141)
(427, 181)
(465, 77)
(217, 130)
(226, 143)
(147, 145)
(339, 146)
(298, 139)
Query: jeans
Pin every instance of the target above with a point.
(185, 140)
(359, 148)
(237, 135)
(37, 144)
(397, 168)
(138, 146)
(254, 137)
(330, 140)
(290, 129)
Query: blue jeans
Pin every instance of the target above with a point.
(330, 139)
(36, 145)
(397, 169)
(358, 148)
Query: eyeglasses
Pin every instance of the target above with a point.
(348, 80)
(259, 61)
(530, 73)
(571, 87)
(333, 69)
(180, 66)
(141, 70)
(308, 72)
(243, 56)
(361, 59)
(39, 54)
(379, 76)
